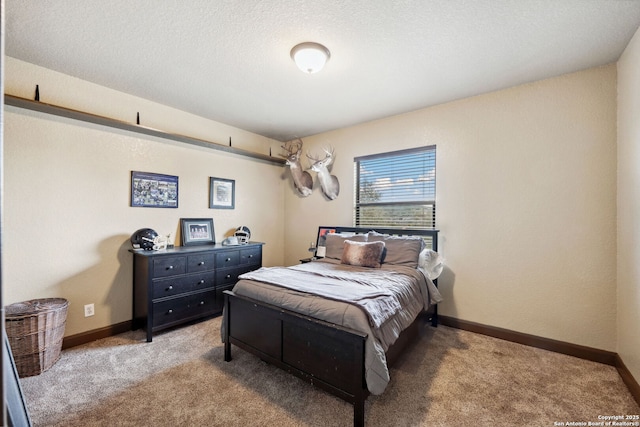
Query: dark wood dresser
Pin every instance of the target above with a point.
(185, 283)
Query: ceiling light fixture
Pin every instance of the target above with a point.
(310, 57)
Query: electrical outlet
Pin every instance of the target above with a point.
(89, 310)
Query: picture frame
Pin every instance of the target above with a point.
(222, 193)
(197, 231)
(321, 241)
(153, 190)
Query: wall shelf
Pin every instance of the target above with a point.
(55, 110)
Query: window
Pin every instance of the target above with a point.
(396, 189)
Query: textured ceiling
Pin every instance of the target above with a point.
(229, 60)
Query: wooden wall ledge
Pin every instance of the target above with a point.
(55, 110)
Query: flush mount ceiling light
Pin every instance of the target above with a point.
(310, 57)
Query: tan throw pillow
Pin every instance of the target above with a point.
(362, 254)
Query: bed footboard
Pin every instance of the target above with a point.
(324, 354)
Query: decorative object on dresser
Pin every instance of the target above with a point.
(222, 193)
(144, 239)
(184, 284)
(152, 190)
(147, 239)
(197, 231)
(243, 234)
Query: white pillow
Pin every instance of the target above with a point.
(431, 262)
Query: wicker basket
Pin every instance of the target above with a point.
(35, 330)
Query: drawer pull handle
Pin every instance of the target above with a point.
(170, 288)
(170, 267)
(228, 259)
(201, 302)
(228, 276)
(250, 256)
(170, 311)
(201, 282)
(201, 263)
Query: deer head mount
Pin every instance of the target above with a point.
(301, 178)
(328, 183)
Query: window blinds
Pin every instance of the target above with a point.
(396, 189)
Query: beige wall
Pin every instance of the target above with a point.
(526, 190)
(67, 219)
(629, 206)
(526, 184)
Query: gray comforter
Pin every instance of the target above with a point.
(379, 302)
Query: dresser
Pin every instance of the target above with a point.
(186, 283)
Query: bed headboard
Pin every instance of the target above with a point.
(430, 236)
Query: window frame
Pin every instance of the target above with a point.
(429, 153)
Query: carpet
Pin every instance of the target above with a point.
(448, 377)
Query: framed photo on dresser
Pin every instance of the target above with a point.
(197, 231)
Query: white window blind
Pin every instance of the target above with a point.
(396, 189)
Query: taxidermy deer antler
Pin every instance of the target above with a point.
(328, 183)
(301, 179)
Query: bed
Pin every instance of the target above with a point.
(339, 321)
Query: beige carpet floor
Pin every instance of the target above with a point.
(447, 378)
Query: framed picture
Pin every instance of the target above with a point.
(152, 190)
(197, 231)
(222, 193)
(321, 243)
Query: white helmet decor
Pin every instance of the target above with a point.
(243, 234)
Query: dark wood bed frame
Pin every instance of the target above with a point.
(324, 354)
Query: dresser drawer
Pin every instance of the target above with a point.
(200, 262)
(251, 256)
(230, 275)
(169, 266)
(176, 310)
(227, 259)
(179, 285)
